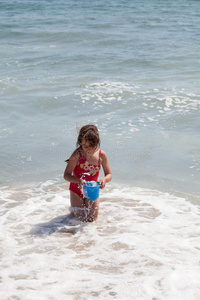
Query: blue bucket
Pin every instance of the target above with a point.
(91, 190)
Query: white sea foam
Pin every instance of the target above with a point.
(145, 245)
(106, 92)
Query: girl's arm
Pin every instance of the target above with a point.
(106, 169)
(73, 160)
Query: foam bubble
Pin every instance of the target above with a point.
(144, 245)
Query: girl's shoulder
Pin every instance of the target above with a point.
(76, 154)
(103, 155)
(77, 151)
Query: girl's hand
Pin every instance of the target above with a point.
(80, 183)
(102, 182)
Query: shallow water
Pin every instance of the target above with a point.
(145, 245)
(132, 68)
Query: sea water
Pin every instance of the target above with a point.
(131, 68)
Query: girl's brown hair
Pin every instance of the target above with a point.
(91, 134)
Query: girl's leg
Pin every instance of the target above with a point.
(92, 208)
(77, 206)
(85, 210)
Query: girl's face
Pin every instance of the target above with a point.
(87, 148)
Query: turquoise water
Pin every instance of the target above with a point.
(133, 69)
(130, 67)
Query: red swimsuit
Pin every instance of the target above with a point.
(85, 171)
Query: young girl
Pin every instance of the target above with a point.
(84, 165)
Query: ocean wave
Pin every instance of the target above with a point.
(144, 244)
